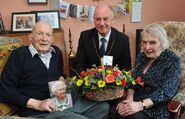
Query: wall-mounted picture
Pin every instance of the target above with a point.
(1, 24)
(23, 21)
(51, 17)
(37, 1)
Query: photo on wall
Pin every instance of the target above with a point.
(64, 9)
(51, 16)
(73, 10)
(22, 21)
(2, 29)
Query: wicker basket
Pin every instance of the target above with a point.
(107, 94)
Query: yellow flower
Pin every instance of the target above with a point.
(86, 78)
(99, 70)
(108, 72)
(87, 83)
(118, 82)
(74, 78)
(79, 82)
(126, 72)
(133, 82)
(101, 84)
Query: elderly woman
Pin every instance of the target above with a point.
(159, 68)
(61, 99)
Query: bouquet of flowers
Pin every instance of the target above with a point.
(106, 83)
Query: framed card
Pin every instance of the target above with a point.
(23, 21)
(51, 17)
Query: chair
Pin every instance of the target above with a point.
(176, 35)
(7, 44)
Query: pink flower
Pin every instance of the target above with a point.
(82, 73)
(110, 79)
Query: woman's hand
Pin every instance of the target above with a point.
(127, 107)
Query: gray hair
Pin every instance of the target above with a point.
(158, 31)
(57, 85)
(103, 6)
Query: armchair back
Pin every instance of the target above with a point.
(7, 45)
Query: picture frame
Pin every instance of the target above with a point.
(23, 21)
(1, 26)
(51, 16)
(34, 2)
(2, 29)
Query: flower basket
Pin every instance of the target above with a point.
(107, 94)
(105, 83)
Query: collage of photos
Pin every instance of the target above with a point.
(85, 13)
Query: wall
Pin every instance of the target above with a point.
(152, 11)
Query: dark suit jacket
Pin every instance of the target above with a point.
(88, 50)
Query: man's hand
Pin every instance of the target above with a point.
(42, 105)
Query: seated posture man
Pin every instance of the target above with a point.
(27, 72)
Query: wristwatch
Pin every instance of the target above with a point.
(143, 104)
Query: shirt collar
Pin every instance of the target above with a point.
(33, 51)
(106, 37)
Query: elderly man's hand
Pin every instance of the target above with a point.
(42, 105)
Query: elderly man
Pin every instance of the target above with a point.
(25, 76)
(27, 72)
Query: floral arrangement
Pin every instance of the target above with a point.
(97, 78)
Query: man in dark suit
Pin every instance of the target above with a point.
(116, 43)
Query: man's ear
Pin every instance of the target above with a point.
(30, 37)
(53, 38)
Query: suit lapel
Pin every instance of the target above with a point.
(111, 43)
(96, 43)
(95, 38)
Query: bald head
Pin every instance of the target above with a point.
(103, 8)
(42, 24)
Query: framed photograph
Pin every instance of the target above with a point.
(1, 24)
(51, 17)
(23, 21)
(37, 2)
